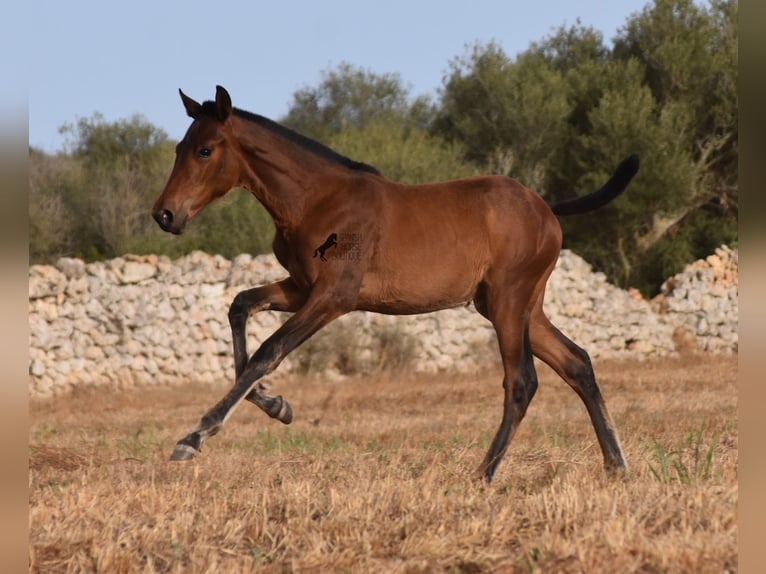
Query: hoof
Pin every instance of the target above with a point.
(183, 452)
(276, 407)
(285, 413)
(616, 470)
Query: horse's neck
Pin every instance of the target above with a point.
(277, 175)
(286, 178)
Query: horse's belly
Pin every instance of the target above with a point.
(417, 290)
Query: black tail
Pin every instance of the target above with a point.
(603, 195)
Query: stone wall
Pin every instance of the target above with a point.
(152, 321)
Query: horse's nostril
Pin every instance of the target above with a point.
(164, 218)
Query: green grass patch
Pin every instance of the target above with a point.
(690, 463)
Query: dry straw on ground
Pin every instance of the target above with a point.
(377, 475)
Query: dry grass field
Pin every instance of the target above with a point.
(376, 474)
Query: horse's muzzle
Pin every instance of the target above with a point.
(165, 220)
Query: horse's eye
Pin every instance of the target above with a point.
(204, 152)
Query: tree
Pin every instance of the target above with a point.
(690, 58)
(123, 165)
(627, 120)
(52, 179)
(94, 199)
(508, 115)
(402, 154)
(563, 113)
(349, 98)
(372, 118)
(689, 55)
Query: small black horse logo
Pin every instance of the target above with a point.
(331, 241)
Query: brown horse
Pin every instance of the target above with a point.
(418, 248)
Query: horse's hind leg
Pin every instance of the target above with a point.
(280, 296)
(573, 365)
(519, 385)
(509, 316)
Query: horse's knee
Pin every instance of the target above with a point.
(239, 307)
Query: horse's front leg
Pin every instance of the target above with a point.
(280, 296)
(316, 313)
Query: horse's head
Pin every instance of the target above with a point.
(206, 167)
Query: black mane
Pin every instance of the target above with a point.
(291, 135)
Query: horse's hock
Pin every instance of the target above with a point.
(147, 320)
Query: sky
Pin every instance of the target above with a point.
(124, 58)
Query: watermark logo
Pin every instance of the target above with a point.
(331, 241)
(341, 247)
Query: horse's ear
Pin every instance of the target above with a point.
(222, 103)
(193, 109)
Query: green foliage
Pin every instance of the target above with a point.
(689, 54)
(51, 222)
(690, 464)
(371, 118)
(348, 98)
(111, 145)
(403, 154)
(627, 120)
(509, 116)
(95, 201)
(96, 198)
